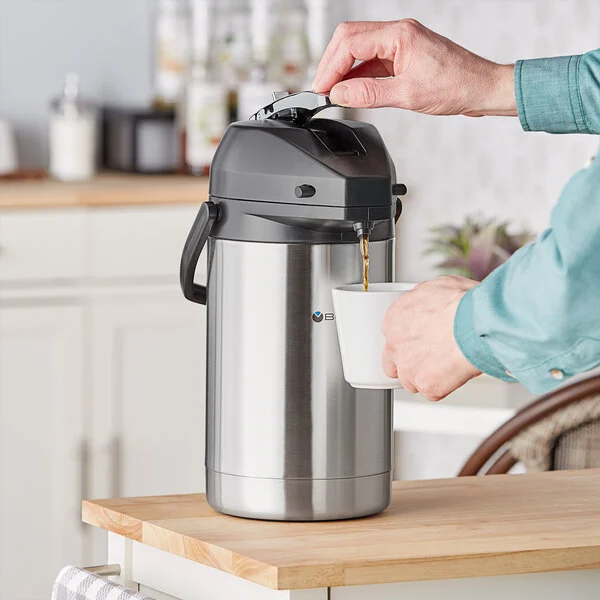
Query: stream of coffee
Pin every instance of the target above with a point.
(364, 251)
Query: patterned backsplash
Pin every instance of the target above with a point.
(458, 166)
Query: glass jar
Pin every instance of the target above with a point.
(72, 132)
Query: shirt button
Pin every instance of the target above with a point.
(557, 374)
(509, 373)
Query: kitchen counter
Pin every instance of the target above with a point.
(434, 530)
(105, 190)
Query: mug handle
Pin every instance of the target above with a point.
(201, 229)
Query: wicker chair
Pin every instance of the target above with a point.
(574, 448)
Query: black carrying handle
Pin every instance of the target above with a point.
(203, 224)
(398, 189)
(398, 210)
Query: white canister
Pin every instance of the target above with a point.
(8, 149)
(73, 131)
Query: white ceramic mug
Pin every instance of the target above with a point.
(8, 149)
(359, 316)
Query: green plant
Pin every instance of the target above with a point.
(476, 248)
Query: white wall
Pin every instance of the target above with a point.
(455, 166)
(106, 41)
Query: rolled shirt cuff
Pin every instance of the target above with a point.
(538, 378)
(548, 95)
(473, 346)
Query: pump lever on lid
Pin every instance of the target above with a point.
(298, 108)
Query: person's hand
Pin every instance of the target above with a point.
(406, 65)
(420, 347)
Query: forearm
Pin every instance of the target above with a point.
(497, 94)
(537, 318)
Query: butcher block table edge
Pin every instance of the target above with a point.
(561, 508)
(105, 190)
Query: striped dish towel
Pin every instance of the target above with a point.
(76, 584)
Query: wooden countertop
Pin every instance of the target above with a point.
(440, 529)
(105, 190)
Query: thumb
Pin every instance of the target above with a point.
(364, 92)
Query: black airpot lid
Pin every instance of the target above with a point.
(283, 155)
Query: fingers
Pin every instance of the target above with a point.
(388, 364)
(366, 92)
(351, 42)
(371, 68)
(342, 31)
(408, 386)
(391, 370)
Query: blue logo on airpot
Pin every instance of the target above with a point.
(318, 316)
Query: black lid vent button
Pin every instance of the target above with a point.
(305, 191)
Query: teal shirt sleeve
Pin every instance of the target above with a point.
(559, 95)
(536, 319)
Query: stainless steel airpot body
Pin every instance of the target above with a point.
(286, 437)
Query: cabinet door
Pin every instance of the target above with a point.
(41, 451)
(148, 375)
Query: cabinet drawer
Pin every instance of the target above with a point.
(41, 245)
(140, 242)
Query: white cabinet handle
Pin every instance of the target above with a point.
(84, 474)
(104, 570)
(115, 451)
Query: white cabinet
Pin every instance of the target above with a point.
(148, 377)
(135, 243)
(147, 374)
(41, 446)
(167, 576)
(102, 377)
(42, 247)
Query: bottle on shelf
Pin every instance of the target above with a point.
(204, 106)
(319, 33)
(171, 51)
(241, 53)
(257, 90)
(290, 47)
(233, 51)
(318, 30)
(73, 130)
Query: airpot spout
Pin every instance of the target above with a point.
(363, 228)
